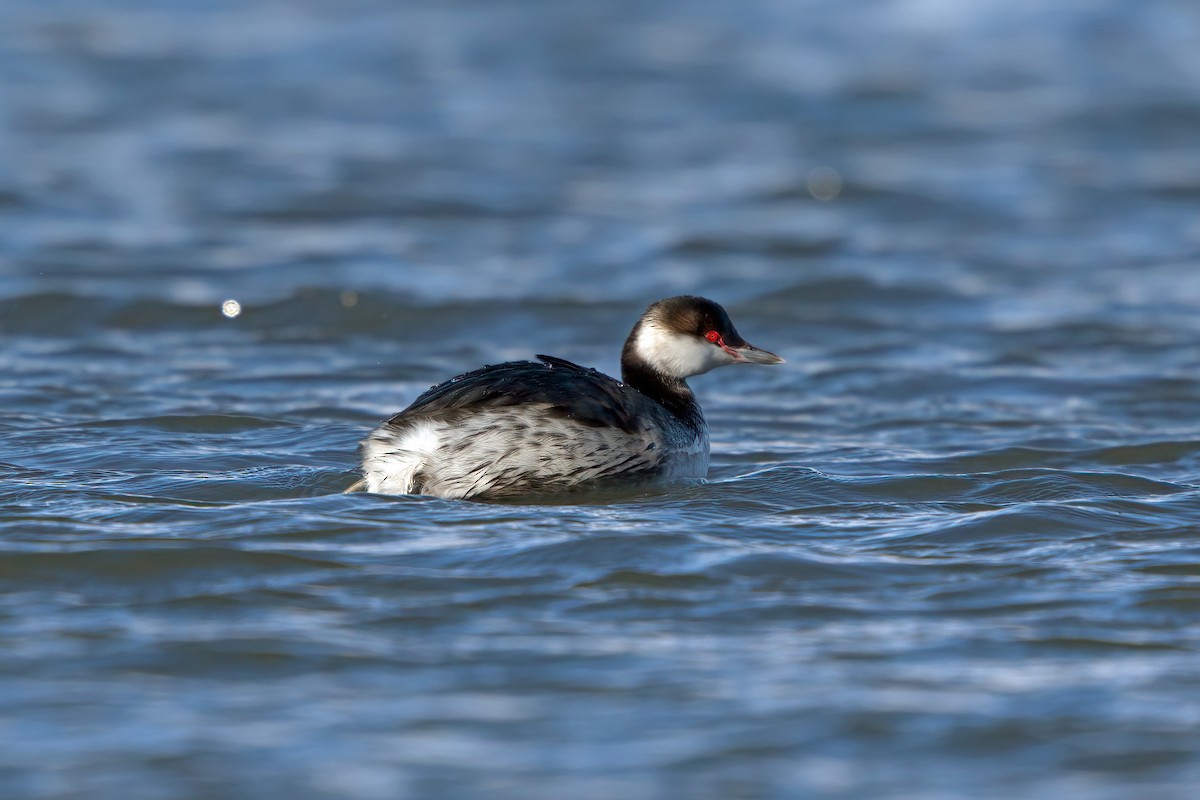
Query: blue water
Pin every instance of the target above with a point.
(951, 549)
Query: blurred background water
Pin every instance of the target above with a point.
(950, 550)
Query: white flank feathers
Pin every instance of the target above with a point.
(391, 463)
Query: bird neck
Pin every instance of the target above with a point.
(673, 394)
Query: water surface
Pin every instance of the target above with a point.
(951, 548)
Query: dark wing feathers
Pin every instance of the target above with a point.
(571, 391)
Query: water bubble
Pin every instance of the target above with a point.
(349, 298)
(231, 308)
(824, 183)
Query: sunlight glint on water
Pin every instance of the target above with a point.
(950, 548)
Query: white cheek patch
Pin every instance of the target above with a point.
(678, 355)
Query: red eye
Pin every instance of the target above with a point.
(713, 336)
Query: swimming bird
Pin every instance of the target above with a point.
(534, 428)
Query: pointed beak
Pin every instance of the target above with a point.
(754, 355)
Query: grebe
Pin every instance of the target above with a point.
(527, 428)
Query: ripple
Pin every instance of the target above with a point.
(953, 540)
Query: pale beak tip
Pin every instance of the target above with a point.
(755, 355)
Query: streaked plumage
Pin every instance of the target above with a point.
(526, 427)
